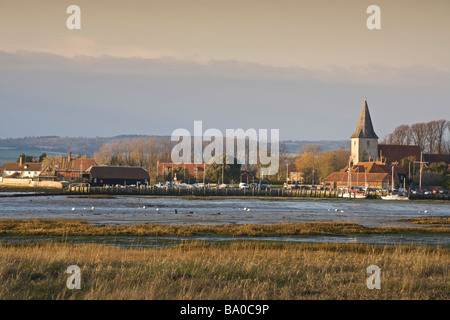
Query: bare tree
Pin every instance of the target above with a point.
(418, 132)
(402, 135)
(430, 136)
(440, 127)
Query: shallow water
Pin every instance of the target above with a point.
(130, 210)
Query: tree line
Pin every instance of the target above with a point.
(431, 137)
(146, 152)
(315, 165)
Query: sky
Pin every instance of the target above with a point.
(149, 67)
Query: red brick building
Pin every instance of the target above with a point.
(195, 170)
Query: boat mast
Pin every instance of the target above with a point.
(392, 187)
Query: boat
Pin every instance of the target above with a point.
(353, 194)
(360, 195)
(394, 195)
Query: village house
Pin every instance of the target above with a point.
(195, 170)
(296, 176)
(67, 168)
(377, 175)
(20, 170)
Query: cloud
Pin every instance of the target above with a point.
(48, 94)
(373, 74)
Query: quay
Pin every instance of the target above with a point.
(231, 192)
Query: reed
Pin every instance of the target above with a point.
(72, 227)
(238, 270)
(428, 220)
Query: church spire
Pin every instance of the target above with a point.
(364, 129)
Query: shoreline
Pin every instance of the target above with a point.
(6, 194)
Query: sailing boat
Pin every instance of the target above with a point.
(356, 194)
(348, 194)
(362, 195)
(394, 196)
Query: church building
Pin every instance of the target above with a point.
(364, 141)
(366, 168)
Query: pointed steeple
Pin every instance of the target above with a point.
(364, 129)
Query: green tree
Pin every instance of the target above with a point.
(42, 157)
(437, 167)
(25, 158)
(231, 172)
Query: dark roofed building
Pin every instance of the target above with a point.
(117, 175)
(433, 158)
(395, 153)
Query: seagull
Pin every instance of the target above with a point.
(92, 208)
(73, 209)
(248, 209)
(157, 209)
(335, 210)
(245, 209)
(342, 210)
(143, 207)
(426, 211)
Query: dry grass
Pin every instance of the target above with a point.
(241, 270)
(68, 227)
(428, 220)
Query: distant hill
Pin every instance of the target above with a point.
(11, 148)
(294, 145)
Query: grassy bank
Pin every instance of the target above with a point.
(69, 227)
(19, 188)
(242, 270)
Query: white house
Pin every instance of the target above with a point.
(22, 170)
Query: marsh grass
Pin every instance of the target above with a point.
(428, 220)
(72, 227)
(237, 270)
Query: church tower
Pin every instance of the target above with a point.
(364, 141)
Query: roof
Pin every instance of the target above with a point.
(375, 167)
(78, 164)
(361, 177)
(364, 128)
(118, 172)
(27, 166)
(394, 152)
(82, 164)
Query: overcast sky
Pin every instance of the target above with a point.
(150, 67)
